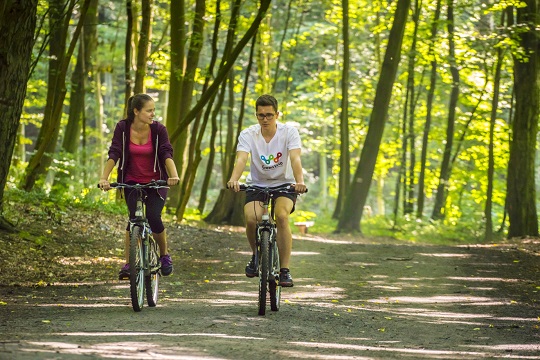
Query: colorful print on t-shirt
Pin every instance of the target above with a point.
(268, 160)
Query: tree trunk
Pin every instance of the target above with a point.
(440, 198)
(127, 54)
(212, 143)
(231, 212)
(345, 156)
(293, 56)
(84, 66)
(401, 178)
(488, 235)
(351, 216)
(229, 209)
(223, 71)
(188, 81)
(174, 109)
(58, 66)
(142, 47)
(408, 194)
(521, 187)
(429, 108)
(264, 53)
(17, 26)
(282, 41)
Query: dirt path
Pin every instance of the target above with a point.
(352, 300)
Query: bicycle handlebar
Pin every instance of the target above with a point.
(281, 189)
(156, 184)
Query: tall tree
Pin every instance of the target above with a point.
(521, 186)
(229, 206)
(345, 156)
(17, 26)
(410, 135)
(128, 83)
(59, 60)
(82, 71)
(442, 188)
(178, 39)
(143, 45)
(488, 234)
(429, 109)
(223, 72)
(281, 43)
(351, 215)
(187, 82)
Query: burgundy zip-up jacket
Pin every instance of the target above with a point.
(162, 149)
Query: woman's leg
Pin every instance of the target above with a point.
(161, 239)
(154, 206)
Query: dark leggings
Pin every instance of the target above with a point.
(154, 204)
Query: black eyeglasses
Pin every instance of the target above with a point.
(269, 116)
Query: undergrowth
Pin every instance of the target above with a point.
(407, 229)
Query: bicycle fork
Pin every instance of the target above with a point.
(271, 229)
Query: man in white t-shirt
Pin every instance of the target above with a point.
(275, 160)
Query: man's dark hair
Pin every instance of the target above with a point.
(267, 100)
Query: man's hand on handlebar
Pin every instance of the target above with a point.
(300, 188)
(233, 185)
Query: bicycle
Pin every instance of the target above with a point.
(267, 260)
(143, 250)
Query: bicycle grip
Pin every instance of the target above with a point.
(114, 184)
(161, 182)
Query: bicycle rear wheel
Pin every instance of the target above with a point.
(136, 273)
(273, 282)
(264, 270)
(152, 276)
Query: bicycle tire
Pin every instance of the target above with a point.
(136, 273)
(152, 276)
(264, 270)
(273, 285)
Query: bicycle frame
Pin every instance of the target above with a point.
(267, 223)
(143, 250)
(267, 253)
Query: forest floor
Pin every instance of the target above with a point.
(354, 297)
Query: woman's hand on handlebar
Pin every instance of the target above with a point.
(233, 185)
(172, 181)
(104, 184)
(300, 188)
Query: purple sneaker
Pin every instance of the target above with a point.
(166, 265)
(124, 273)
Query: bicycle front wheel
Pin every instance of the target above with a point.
(273, 284)
(136, 266)
(263, 270)
(152, 277)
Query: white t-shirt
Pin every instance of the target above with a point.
(270, 163)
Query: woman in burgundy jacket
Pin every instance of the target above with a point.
(142, 149)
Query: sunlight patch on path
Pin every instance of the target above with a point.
(441, 299)
(476, 278)
(120, 350)
(129, 333)
(389, 349)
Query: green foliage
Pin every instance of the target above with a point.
(302, 215)
(55, 204)
(426, 231)
(308, 88)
